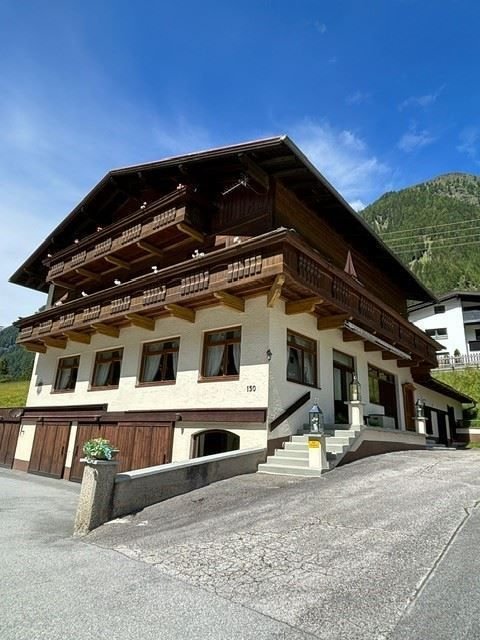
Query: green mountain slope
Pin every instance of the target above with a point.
(434, 228)
(15, 362)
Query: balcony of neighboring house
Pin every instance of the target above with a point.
(152, 231)
(278, 264)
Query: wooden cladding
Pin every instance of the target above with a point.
(66, 320)
(78, 258)
(120, 304)
(131, 234)
(195, 282)
(56, 269)
(154, 295)
(164, 218)
(92, 313)
(45, 327)
(244, 268)
(26, 332)
(102, 247)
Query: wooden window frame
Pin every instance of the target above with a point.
(228, 341)
(372, 367)
(61, 368)
(303, 350)
(164, 351)
(93, 386)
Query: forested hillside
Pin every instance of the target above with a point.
(434, 228)
(15, 362)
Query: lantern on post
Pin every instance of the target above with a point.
(315, 419)
(355, 389)
(420, 408)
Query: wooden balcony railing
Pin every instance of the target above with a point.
(223, 277)
(178, 210)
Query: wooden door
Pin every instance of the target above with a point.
(8, 442)
(139, 446)
(49, 449)
(409, 406)
(84, 432)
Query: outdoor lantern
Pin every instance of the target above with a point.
(420, 407)
(355, 389)
(315, 419)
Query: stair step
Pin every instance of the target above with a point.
(288, 462)
(335, 440)
(295, 446)
(289, 453)
(289, 471)
(336, 448)
(299, 439)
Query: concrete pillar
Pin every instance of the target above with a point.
(356, 413)
(421, 425)
(317, 452)
(96, 495)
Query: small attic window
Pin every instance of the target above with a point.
(439, 308)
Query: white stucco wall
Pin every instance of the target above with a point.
(251, 436)
(452, 320)
(187, 392)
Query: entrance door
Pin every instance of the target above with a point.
(452, 423)
(382, 391)
(409, 406)
(214, 441)
(343, 370)
(49, 449)
(442, 428)
(8, 443)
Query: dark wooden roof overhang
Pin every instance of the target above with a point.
(423, 378)
(261, 160)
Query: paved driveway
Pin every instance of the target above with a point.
(385, 548)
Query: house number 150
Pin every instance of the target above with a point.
(251, 388)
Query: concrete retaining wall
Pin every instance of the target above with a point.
(135, 490)
(374, 441)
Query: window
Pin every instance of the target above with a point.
(221, 353)
(159, 361)
(301, 359)
(67, 373)
(437, 334)
(106, 372)
(377, 379)
(439, 308)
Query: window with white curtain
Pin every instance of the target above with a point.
(159, 361)
(301, 359)
(67, 372)
(221, 353)
(106, 372)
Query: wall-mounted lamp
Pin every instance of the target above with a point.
(269, 355)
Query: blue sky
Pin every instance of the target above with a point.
(380, 94)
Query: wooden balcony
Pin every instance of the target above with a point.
(151, 231)
(279, 264)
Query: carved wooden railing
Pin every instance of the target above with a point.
(138, 226)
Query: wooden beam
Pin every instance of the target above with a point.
(178, 311)
(332, 322)
(407, 363)
(144, 322)
(369, 346)
(388, 355)
(275, 290)
(229, 300)
(88, 274)
(118, 262)
(106, 329)
(78, 336)
(57, 343)
(150, 248)
(349, 336)
(302, 306)
(64, 285)
(34, 346)
(255, 171)
(190, 231)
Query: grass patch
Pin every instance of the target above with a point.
(13, 394)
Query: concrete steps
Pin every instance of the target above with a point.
(292, 459)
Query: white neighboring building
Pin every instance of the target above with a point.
(454, 321)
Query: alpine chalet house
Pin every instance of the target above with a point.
(203, 303)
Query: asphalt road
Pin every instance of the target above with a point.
(383, 549)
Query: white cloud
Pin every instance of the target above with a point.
(344, 159)
(358, 205)
(321, 27)
(412, 140)
(469, 139)
(421, 101)
(358, 97)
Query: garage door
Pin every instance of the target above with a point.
(8, 442)
(49, 449)
(140, 446)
